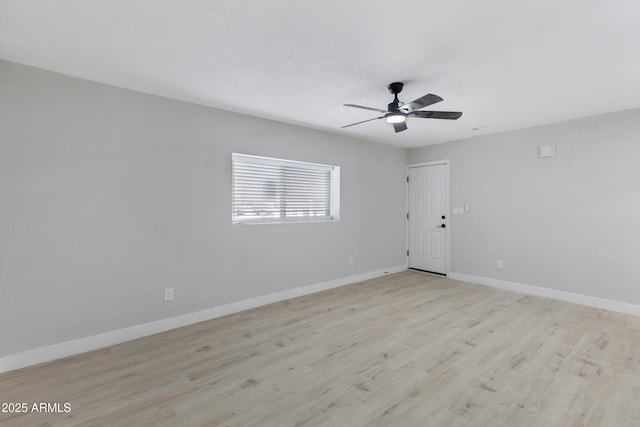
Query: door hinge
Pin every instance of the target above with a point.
(407, 179)
(407, 252)
(407, 216)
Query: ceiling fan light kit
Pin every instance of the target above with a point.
(396, 118)
(398, 112)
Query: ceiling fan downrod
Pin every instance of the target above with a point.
(395, 88)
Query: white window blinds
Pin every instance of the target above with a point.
(275, 190)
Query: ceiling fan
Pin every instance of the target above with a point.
(397, 112)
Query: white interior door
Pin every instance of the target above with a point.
(428, 218)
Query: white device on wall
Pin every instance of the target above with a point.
(546, 150)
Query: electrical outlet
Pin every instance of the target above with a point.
(499, 264)
(351, 260)
(168, 294)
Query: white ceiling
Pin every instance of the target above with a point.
(505, 64)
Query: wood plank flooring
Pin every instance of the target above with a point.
(407, 349)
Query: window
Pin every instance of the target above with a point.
(276, 190)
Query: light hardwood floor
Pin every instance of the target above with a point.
(408, 349)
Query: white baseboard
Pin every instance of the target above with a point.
(94, 342)
(621, 307)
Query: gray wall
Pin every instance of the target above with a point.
(108, 196)
(570, 223)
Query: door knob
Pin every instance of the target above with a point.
(442, 225)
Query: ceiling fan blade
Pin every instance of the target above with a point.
(364, 121)
(399, 127)
(421, 102)
(365, 108)
(449, 115)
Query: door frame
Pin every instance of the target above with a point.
(445, 162)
